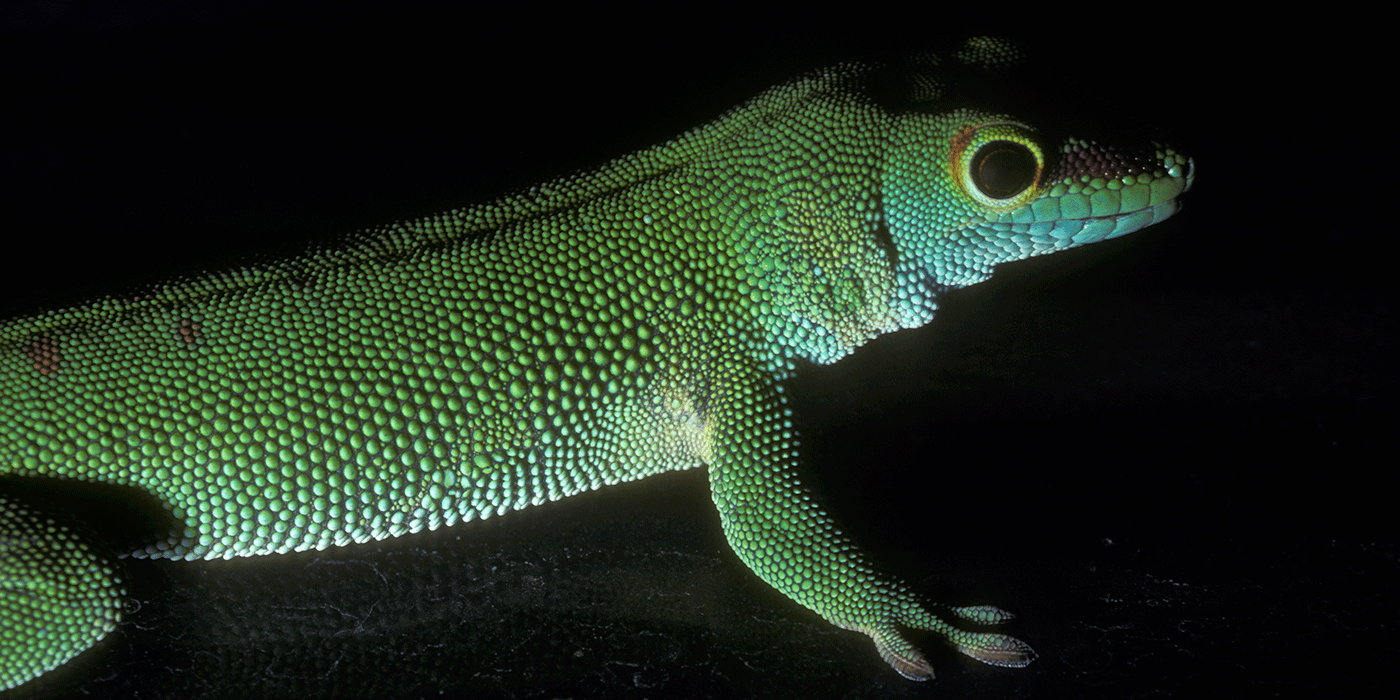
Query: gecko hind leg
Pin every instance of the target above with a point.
(60, 590)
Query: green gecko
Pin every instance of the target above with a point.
(596, 329)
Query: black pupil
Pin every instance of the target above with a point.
(1003, 169)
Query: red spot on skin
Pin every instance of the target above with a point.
(137, 297)
(188, 331)
(43, 355)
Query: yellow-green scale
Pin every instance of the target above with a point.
(596, 329)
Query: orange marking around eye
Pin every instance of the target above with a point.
(959, 144)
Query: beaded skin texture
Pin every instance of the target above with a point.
(600, 328)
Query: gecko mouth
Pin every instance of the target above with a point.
(1084, 213)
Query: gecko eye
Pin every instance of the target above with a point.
(1003, 169)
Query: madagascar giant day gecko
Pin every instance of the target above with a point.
(639, 318)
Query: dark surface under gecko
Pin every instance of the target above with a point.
(1158, 451)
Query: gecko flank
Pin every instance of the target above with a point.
(596, 329)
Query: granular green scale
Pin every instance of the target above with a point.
(596, 329)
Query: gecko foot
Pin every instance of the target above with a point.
(987, 647)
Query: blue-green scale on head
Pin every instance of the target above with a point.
(596, 329)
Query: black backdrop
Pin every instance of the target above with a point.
(1165, 452)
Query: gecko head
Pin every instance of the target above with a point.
(964, 191)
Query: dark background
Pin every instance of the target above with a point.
(1166, 452)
